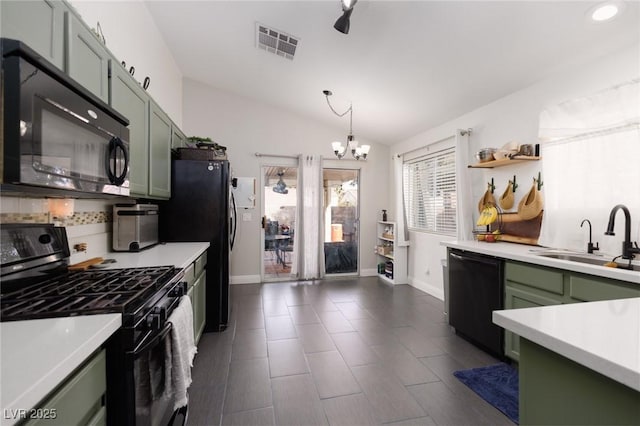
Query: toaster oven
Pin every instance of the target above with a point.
(135, 226)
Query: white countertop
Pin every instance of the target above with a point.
(526, 253)
(603, 336)
(37, 355)
(175, 254)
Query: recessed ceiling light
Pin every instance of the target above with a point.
(604, 12)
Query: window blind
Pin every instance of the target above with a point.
(430, 192)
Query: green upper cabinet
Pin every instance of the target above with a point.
(130, 100)
(178, 139)
(55, 30)
(38, 23)
(87, 60)
(159, 152)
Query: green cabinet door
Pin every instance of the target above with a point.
(159, 152)
(178, 139)
(516, 298)
(87, 59)
(191, 296)
(200, 305)
(38, 23)
(80, 400)
(130, 100)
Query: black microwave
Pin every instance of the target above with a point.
(57, 136)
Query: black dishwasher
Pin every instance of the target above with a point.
(476, 290)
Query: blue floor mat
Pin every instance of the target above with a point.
(496, 384)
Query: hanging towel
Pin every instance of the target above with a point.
(152, 371)
(181, 350)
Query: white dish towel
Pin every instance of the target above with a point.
(181, 351)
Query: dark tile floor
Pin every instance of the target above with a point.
(340, 352)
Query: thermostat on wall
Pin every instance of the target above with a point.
(245, 192)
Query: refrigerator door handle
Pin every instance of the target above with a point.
(234, 220)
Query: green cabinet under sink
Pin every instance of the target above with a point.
(528, 285)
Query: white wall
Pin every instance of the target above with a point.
(245, 127)
(132, 36)
(514, 117)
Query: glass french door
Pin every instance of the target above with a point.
(279, 195)
(341, 221)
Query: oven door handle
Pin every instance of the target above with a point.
(145, 345)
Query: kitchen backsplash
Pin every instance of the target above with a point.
(78, 218)
(90, 224)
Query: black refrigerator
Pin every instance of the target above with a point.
(201, 208)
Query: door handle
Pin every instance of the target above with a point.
(264, 223)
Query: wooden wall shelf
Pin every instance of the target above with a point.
(503, 162)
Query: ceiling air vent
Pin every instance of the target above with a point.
(276, 41)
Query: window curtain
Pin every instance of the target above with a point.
(464, 219)
(590, 163)
(309, 262)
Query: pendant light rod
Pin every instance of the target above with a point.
(328, 93)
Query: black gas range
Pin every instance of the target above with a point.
(36, 284)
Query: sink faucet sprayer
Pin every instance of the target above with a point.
(627, 247)
(590, 247)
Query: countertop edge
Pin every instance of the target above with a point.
(37, 391)
(608, 368)
(520, 252)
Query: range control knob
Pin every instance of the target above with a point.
(179, 290)
(161, 311)
(153, 321)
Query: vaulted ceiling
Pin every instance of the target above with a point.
(406, 66)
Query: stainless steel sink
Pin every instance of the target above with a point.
(590, 259)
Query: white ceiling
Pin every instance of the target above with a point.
(406, 66)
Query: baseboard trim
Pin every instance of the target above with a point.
(244, 279)
(427, 288)
(368, 272)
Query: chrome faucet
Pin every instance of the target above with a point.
(627, 247)
(590, 247)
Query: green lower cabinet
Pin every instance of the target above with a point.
(557, 391)
(200, 293)
(196, 278)
(528, 286)
(79, 400)
(516, 298)
(584, 288)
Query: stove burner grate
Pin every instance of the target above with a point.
(85, 292)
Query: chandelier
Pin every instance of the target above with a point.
(338, 148)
